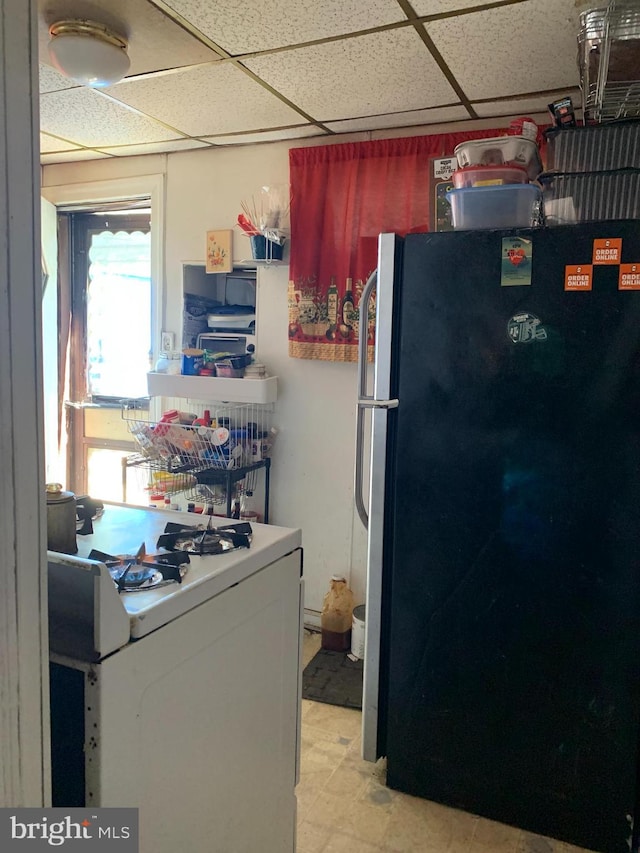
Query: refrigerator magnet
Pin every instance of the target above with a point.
(608, 251)
(524, 328)
(516, 262)
(629, 278)
(578, 277)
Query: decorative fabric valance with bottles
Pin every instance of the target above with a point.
(342, 198)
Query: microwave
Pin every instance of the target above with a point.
(219, 309)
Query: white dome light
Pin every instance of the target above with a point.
(88, 53)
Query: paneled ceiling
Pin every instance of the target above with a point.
(227, 72)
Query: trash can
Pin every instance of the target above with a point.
(357, 632)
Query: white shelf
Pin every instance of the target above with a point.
(208, 388)
(266, 262)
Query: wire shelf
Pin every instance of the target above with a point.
(609, 61)
(213, 461)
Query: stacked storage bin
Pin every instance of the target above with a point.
(594, 173)
(491, 185)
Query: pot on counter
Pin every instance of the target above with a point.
(61, 520)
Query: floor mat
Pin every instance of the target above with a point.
(332, 678)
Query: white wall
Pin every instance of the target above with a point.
(312, 468)
(313, 459)
(312, 482)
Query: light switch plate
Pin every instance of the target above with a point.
(167, 341)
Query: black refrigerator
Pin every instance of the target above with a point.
(502, 663)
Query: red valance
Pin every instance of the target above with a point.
(342, 197)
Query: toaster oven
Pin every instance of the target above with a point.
(227, 342)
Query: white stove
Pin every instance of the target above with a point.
(82, 592)
(182, 701)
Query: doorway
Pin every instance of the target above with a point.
(110, 343)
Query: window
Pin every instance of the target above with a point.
(118, 309)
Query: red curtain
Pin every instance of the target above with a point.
(342, 198)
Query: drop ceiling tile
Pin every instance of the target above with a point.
(250, 26)
(511, 49)
(413, 117)
(52, 81)
(72, 156)
(49, 144)
(221, 99)
(154, 147)
(368, 75)
(266, 136)
(435, 7)
(87, 117)
(155, 41)
(525, 106)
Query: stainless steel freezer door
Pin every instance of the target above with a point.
(371, 682)
(379, 403)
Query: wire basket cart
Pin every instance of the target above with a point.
(208, 456)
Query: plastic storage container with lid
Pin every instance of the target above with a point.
(484, 176)
(507, 206)
(337, 615)
(590, 196)
(594, 148)
(500, 150)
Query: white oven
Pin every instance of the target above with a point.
(182, 701)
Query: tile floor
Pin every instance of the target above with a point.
(344, 806)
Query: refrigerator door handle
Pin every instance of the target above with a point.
(371, 403)
(359, 499)
(381, 408)
(364, 400)
(365, 299)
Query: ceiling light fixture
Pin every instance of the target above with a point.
(88, 53)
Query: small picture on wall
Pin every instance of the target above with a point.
(219, 255)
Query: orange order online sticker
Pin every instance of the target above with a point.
(578, 277)
(607, 251)
(629, 277)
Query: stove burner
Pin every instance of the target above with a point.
(128, 578)
(183, 538)
(136, 574)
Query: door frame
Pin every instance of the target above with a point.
(24, 652)
(79, 443)
(86, 196)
